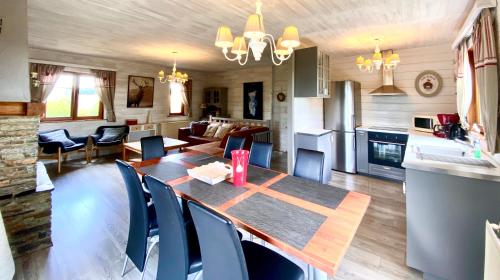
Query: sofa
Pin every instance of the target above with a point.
(194, 134)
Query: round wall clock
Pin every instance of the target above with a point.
(428, 83)
(281, 97)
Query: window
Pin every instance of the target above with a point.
(176, 98)
(471, 96)
(74, 97)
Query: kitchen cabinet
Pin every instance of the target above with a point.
(362, 151)
(215, 101)
(312, 73)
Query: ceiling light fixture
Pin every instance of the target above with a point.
(281, 49)
(367, 65)
(174, 77)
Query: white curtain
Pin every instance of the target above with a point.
(105, 84)
(462, 106)
(485, 64)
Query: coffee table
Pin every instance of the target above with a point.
(168, 145)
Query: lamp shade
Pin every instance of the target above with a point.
(161, 74)
(360, 60)
(224, 37)
(239, 46)
(280, 49)
(395, 58)
(377, 57)
(254, 27)
(290, 37)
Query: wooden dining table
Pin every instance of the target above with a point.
(313, 222)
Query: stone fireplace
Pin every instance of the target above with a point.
(24, 204)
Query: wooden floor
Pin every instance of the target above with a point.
(90, 223)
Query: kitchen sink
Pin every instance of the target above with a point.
(457, 155)
(440, 150)
(455, 159)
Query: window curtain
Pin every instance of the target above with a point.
(47, 75)
(485, 64)
(462, 107)
(105, 83)
(187, 95)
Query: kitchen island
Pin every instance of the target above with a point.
(449, 196)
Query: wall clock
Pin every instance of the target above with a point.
(281, 97)
(428, 83)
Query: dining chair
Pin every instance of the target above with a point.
(260, 154)
(309, 165)
(143, 226)
(179, 248)
(226, 258)
(233, 143)
(152, 147)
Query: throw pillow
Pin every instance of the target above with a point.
(223, 130)
(198, 128)
(57, 136)
(112, 134)
(211, 129)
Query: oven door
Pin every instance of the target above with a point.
(386, 153)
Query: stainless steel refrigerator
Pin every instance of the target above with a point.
(342, 113)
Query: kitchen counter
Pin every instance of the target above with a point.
(447, 202)
(411, 160)
(401, 130)
(313, 131)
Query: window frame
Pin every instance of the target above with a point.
(74, 103)
(188, 89)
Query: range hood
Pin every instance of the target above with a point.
(387, 87)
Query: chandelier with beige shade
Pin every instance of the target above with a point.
(389, 60)
(281, 49)
(175, 76)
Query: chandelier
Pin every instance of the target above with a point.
(390, 60)
(175, 77)
(281, 49)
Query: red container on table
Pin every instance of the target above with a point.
(240, 165)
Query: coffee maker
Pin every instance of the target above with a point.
(449, 127)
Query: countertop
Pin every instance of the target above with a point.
(411, 161)
(387, 130)
(313, 131)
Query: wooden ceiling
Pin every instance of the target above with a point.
(149, 30)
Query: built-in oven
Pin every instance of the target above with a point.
(386, 152)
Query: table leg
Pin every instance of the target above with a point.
(125, 154)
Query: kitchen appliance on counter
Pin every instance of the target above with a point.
(386, 152)
(342, 113)
(449, 127)
(424, 123)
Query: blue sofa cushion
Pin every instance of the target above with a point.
(111, 134)
(57, 136)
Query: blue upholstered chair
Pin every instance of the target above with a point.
(143, 225)
(260, 154)
(179, 247)
(233, 143)
(59, 143)
(152, 147)
(309, 165)
(226, 258)
(109, 135)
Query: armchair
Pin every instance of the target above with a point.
(106, 136)
(59, 143)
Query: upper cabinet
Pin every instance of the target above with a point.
(312, 73)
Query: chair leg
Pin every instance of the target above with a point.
(96, 152)
(124, 265)
(153, 243)
(59, 160)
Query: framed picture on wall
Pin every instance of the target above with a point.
(140, 93)
(253, 97)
